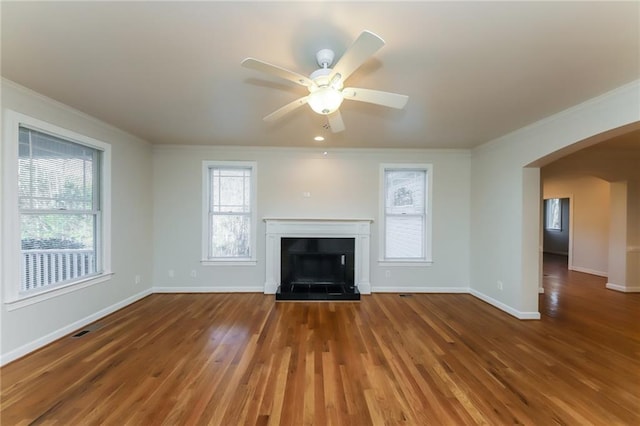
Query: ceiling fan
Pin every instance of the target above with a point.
(326, 84)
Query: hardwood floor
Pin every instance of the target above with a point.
(229, 359)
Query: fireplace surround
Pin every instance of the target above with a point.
(320, 261)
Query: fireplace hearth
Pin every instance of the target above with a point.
(317, 269)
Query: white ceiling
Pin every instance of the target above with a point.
(170, 72)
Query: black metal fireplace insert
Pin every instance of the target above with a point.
(317, 269)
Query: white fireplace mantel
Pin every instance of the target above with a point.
(278, 228)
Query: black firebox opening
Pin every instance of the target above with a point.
(317, 269)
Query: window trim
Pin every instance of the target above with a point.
(428, 235)
(207, 165)
(11, 246)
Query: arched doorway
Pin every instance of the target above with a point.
(601, 180)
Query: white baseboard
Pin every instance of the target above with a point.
(248, 289)
(382, 289)
(57, 334)
(508, 309)
(588, 271)
(622, 288)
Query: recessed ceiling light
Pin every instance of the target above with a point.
(325, 153)
(318, 138)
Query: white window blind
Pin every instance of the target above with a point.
(60, 212)
(230, 212)
(405, 203)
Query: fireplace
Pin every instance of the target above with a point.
(317, 269)
(317, 259)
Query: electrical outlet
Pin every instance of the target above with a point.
(387, 273)
(499, 284)
(137, 279)
(193, 273)
(172, 273)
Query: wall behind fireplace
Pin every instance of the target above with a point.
(342, 184)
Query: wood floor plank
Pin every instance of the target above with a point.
(425, 359)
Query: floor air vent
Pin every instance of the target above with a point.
(88, 329)
(405, 295)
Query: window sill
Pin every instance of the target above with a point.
(405, 263)
(31, 299)
(209, 262)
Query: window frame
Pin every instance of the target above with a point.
(251, 260)
(14, 298)
(426, 259)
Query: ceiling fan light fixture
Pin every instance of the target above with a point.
(325, 100)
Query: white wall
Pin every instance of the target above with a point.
(624, 238)
(343, 184)
(505, 196)
(633, 236)
(24, 329)
(618, 235)
(589, 222)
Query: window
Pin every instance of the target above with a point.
(58, 181)
(553, 213)
(405, 220)
(229, 215)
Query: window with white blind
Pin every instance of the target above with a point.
(229, 213)
(60, 203)
(553, 214)
(405, 224)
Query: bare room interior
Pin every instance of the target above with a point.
(320, 212)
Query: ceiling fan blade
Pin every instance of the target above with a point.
(364, 47)
(265, 67)
(335, 122)
(392, 100)
(286, 109)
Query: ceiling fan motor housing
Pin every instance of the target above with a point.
(321, 76)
